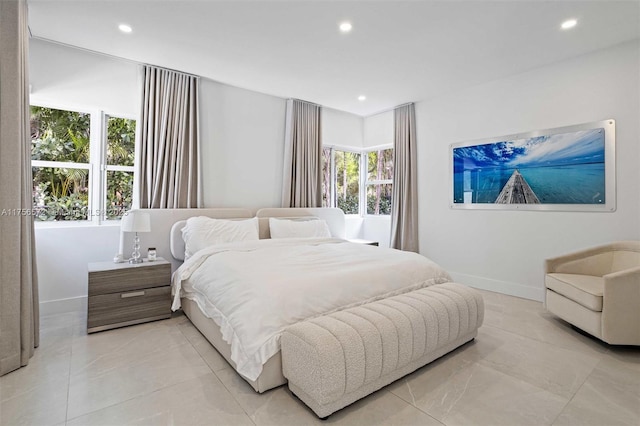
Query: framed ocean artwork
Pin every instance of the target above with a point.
(566, 169)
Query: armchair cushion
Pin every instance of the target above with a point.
(586, 290)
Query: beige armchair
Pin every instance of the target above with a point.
(598, 291)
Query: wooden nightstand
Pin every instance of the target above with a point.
(367, 242)
(123, 294)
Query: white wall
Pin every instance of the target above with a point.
(66, 77)
(341, 129)
(505, 250)
(378, 130)
(62, 254)
(377, 228)
(242, 136)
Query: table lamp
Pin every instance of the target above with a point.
(136, 221)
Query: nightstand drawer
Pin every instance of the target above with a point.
(129, 278)
(127, 308)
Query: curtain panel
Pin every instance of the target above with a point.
(404, 205)
(302, 175)
(19, 309)
(169, 165)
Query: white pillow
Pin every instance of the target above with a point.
(201, 232)
(286, 228)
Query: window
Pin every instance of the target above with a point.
(379, 181)
(60, 142)
(82, 164)
(352, 178)
(121, 134)
(347, 181)
(341, 180)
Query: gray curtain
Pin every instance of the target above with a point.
(169, 171)
(404, 205)
(302, 176)
(19, 313)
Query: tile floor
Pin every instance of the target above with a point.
(525, 368)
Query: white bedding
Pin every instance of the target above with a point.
(255, 289)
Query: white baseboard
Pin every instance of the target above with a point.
(504, 287)
(61, 306)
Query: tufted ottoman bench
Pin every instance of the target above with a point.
(333, 360)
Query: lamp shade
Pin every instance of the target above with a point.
(136, 221)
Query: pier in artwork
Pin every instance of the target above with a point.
(517, 191)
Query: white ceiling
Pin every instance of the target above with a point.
(398, 51)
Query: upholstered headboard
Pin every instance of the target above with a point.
(176, 243)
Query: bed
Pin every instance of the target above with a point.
(241, 295)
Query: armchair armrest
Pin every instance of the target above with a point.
(621, 307)
(595, 261)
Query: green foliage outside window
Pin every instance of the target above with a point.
(57, 135)
(379, 169)
(62, 193)
(349, 204)
(347, 181)
(326, 177)
(379, 199)
(119, 193)
(120, 152)
(380, 165)
(121, 134)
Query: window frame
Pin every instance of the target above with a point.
(363, 180)
(373, 182)
(106, 168)
(333, 176)
(97, 167)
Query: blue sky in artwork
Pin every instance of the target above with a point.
(581, 147)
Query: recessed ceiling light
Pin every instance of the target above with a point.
(362, 98)
(125, 28)
(569, 23)
(345, 27)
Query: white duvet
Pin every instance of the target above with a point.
(255, 289)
